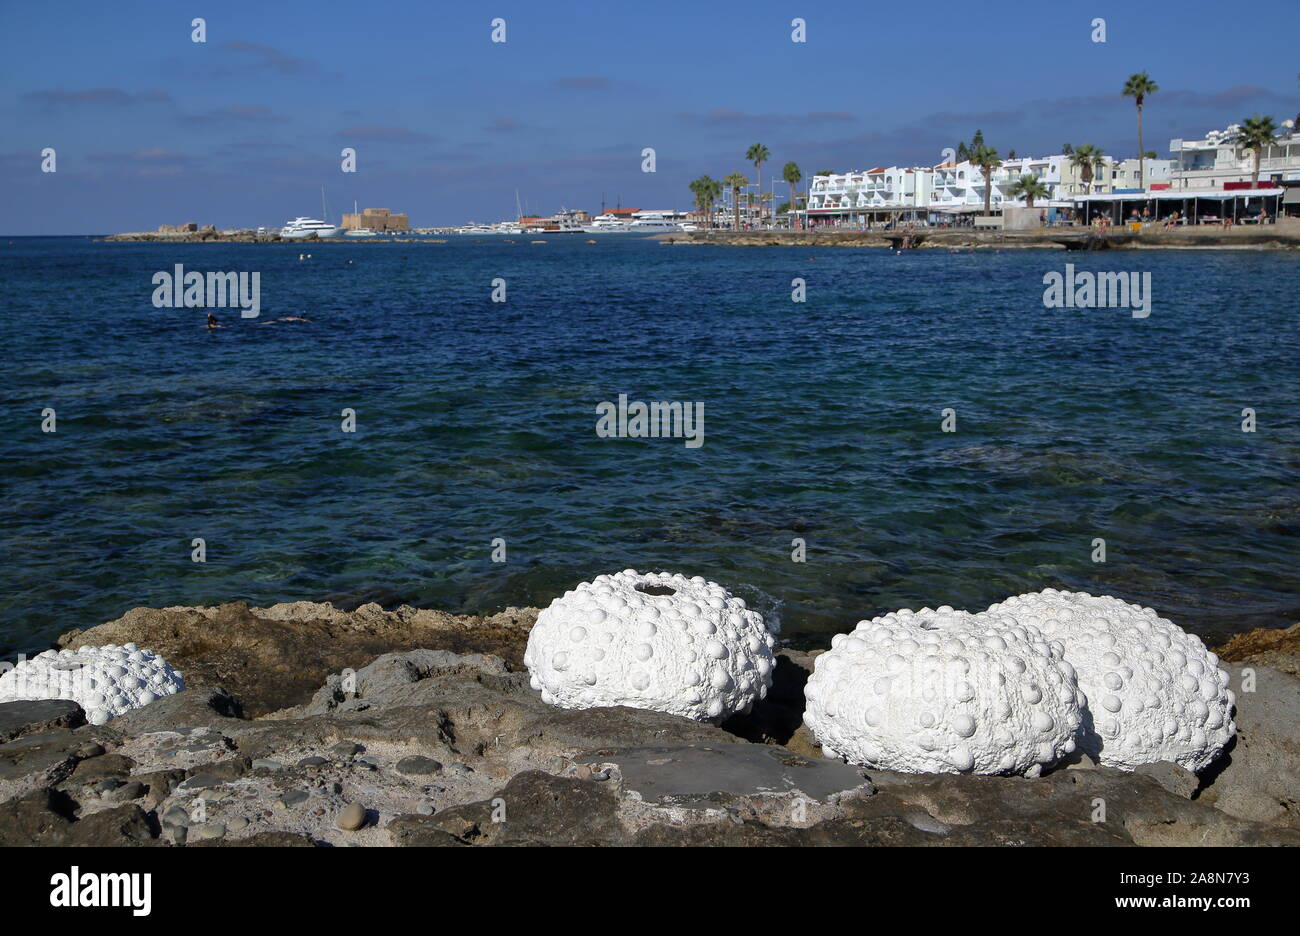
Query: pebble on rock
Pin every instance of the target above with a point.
(417, 766)
(352, 818)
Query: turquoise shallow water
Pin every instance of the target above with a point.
(477, 420)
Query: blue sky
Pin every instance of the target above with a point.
(152, 128)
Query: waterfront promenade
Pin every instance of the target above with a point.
(1268, 237)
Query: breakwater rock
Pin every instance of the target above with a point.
(302, 724)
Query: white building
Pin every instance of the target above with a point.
(1124, 175)
(1216, 160)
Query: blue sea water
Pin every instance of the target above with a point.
(476, 420)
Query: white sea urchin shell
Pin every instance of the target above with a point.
(1154, 692)
(944, 692)
(655, 641)
(105, 681)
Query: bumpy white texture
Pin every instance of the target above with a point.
(105, 681)
(944, 691)
(655, 641)
(1154, 692)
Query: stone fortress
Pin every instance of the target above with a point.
(377, 220)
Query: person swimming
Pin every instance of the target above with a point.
(213, 323)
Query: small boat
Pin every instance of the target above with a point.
(359, 232)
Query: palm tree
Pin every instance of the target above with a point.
(736, 181)
(1255, 133)
(986, 160)
(1029, 187)
(1138, 87)
(791, 174)
(1088, 159)
(706, 191)
(758, 154)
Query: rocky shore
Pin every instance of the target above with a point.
(306, 725)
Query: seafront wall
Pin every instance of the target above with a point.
(1274, 237)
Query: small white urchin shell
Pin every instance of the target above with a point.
(944, 692)
(1154, 692)
(656, 641)
(105, 681)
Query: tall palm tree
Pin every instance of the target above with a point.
(1089, 160)
(1255, 133)
(736, 181)
(706, 191)
(758, 154)
(986, 160)
(791, 174)
(1138, 87)
(1029, 187)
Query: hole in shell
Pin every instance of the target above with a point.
(656, 589)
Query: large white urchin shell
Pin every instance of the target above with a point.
(944, 692)
(656, 641)
(1154, 692)
(105, 681)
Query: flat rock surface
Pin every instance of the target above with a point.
(23, 718)
(687, 774)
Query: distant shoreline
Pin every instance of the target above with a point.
(1273, 237)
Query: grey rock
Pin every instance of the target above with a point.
(237, 824)
(313, 761)
(1175, 779)
(293, 798)
(345, 749)
(263, 763)
(176, 815)
(351, 818)
(418, 766)
(389, 677)
(193, 708)
(425, 808)
(1258, 777)
(24, 718)
(94, 770)
(125, 792)
(37, 761)
(205, 831)
(201, 781)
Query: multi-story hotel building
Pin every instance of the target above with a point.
(1216, 160)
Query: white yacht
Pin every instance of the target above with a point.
(608, 224)
(605, 224)
(653, 226)
(306, 227)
